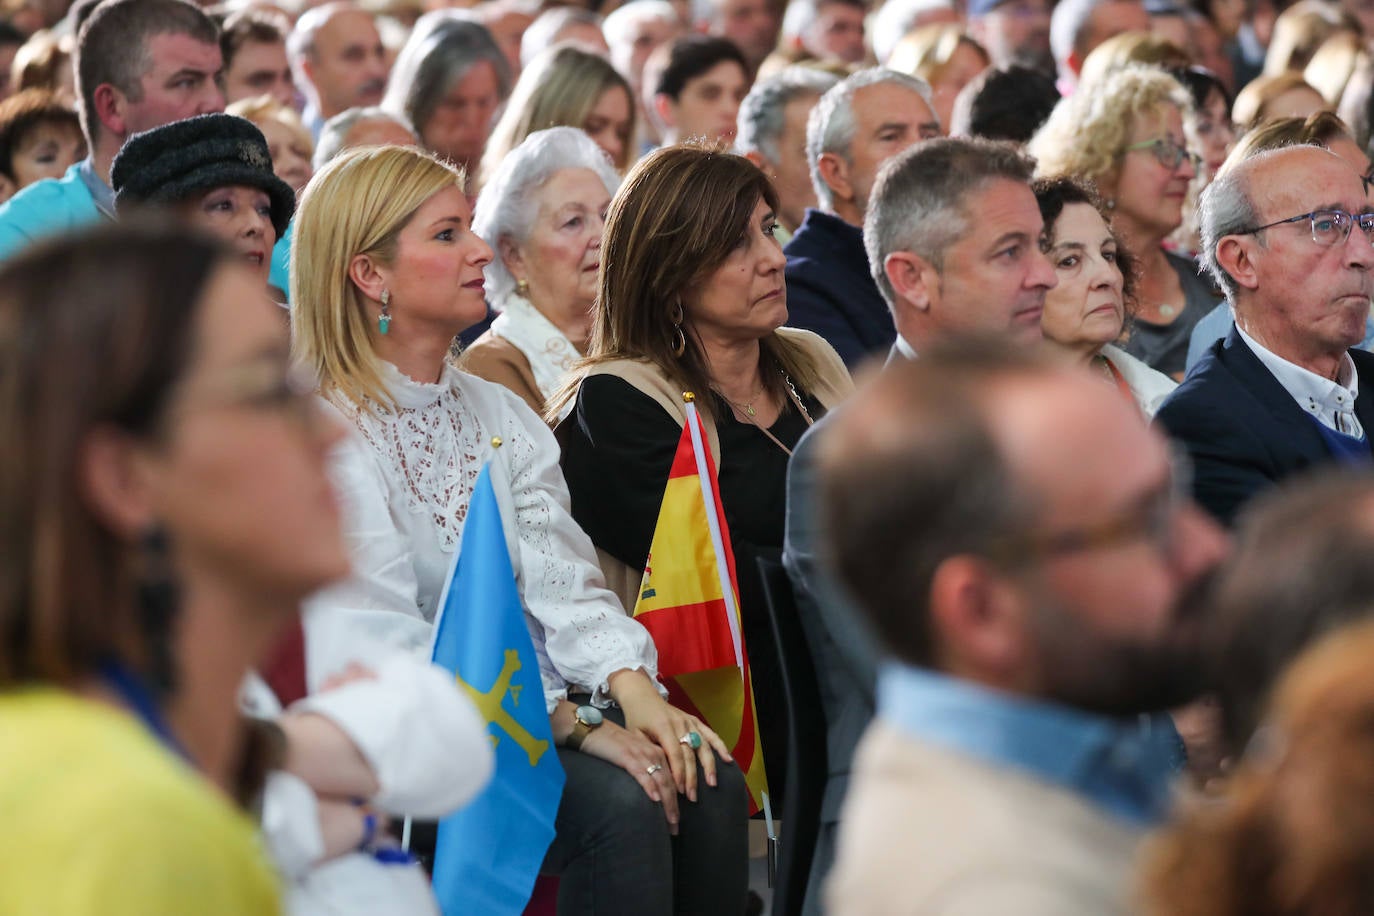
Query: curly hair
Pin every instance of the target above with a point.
(1054, 194)
(1087, 133)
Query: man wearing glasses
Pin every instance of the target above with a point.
(1289, 236)
(1024, 548)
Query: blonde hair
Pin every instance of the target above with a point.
(559, 88)
(265, 108)
(925, 52)
(1249, 108)
(1298, 32)
(1334, 64)
(357, 204)
(1087, 133)
(1120, 51)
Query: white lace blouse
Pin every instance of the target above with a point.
(405, 478)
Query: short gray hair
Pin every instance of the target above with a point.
(1226, 208)
(831, 126)
(761, 112)
(442, 48)
(543, 31)
(918, 201)
(510, 201)
(335, 131)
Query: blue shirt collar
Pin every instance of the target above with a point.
(101, 192)
(1124, 766)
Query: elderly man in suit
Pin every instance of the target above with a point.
(1288, 234)
(953, 237)
(1016, 537)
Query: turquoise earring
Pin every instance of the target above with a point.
(384, 322)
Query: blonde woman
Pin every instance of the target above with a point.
(1131, 139)
(386, 271)
(945, 57)
(567, 86)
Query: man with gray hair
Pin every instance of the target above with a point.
(337, 55)
(856, 126)
(772, 135)
(371, 126)
(953, 238)
(1078, 26)
(825, 29)
(139, 64)
(1289, 236)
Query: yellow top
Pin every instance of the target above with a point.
(97, 817)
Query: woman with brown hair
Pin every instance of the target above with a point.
(691, 298)
(163, 512)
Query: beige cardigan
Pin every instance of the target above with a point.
(832, 387)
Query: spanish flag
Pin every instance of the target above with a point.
(689, 603)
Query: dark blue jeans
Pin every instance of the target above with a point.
(614, 853)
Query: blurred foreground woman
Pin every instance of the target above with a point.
(163, 510)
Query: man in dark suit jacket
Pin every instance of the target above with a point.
(992, 278)
(857, 125)
(1282, 234)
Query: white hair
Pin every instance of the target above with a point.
(335, 131)
(897, 17)
(761, 112)
(509, 202)
(831, 126)
(622, 20)
(543, 32)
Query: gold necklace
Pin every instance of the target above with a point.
(749, 412)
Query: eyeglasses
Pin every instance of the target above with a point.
(1329, 227)
(1167, 152)
(1150, 518)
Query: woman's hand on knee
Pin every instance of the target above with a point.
(642, 759)
(673, 730)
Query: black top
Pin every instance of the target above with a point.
(1164, 347)
(618, 447)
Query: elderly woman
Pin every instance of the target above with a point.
(386, 271)
(543, 214)
(692, 299)
(448, 81)
(1085, 312)
(567, 86)
(214, 171)
(1129, 139)
(163, 512)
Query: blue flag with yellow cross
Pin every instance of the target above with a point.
(488, 853)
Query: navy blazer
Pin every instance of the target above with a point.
(1243, 430)
(831, 292)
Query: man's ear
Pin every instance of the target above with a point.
(835, 173)
(978, 620)
(111, 108)
(1235, 255)
(368, 276)
(913, 279)
(763, 164)
(666, 109)
(114, 475)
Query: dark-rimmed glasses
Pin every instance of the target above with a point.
(1167, 152)
(1329, 227)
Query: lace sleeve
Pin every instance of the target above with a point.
(375, 611)
(587, 635)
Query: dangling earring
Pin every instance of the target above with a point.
(384, 322)
(678, 339)
(522, 288)
(157, 595)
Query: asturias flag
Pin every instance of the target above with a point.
(689, 603)
(489, 852)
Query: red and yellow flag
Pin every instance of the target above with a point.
(689, 603)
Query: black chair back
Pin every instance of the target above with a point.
(807, 766)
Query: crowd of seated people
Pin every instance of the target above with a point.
(1028, 341)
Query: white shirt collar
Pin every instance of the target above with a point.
(1332, 403)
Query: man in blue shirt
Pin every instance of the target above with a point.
(140, 64)
(1021, 545)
